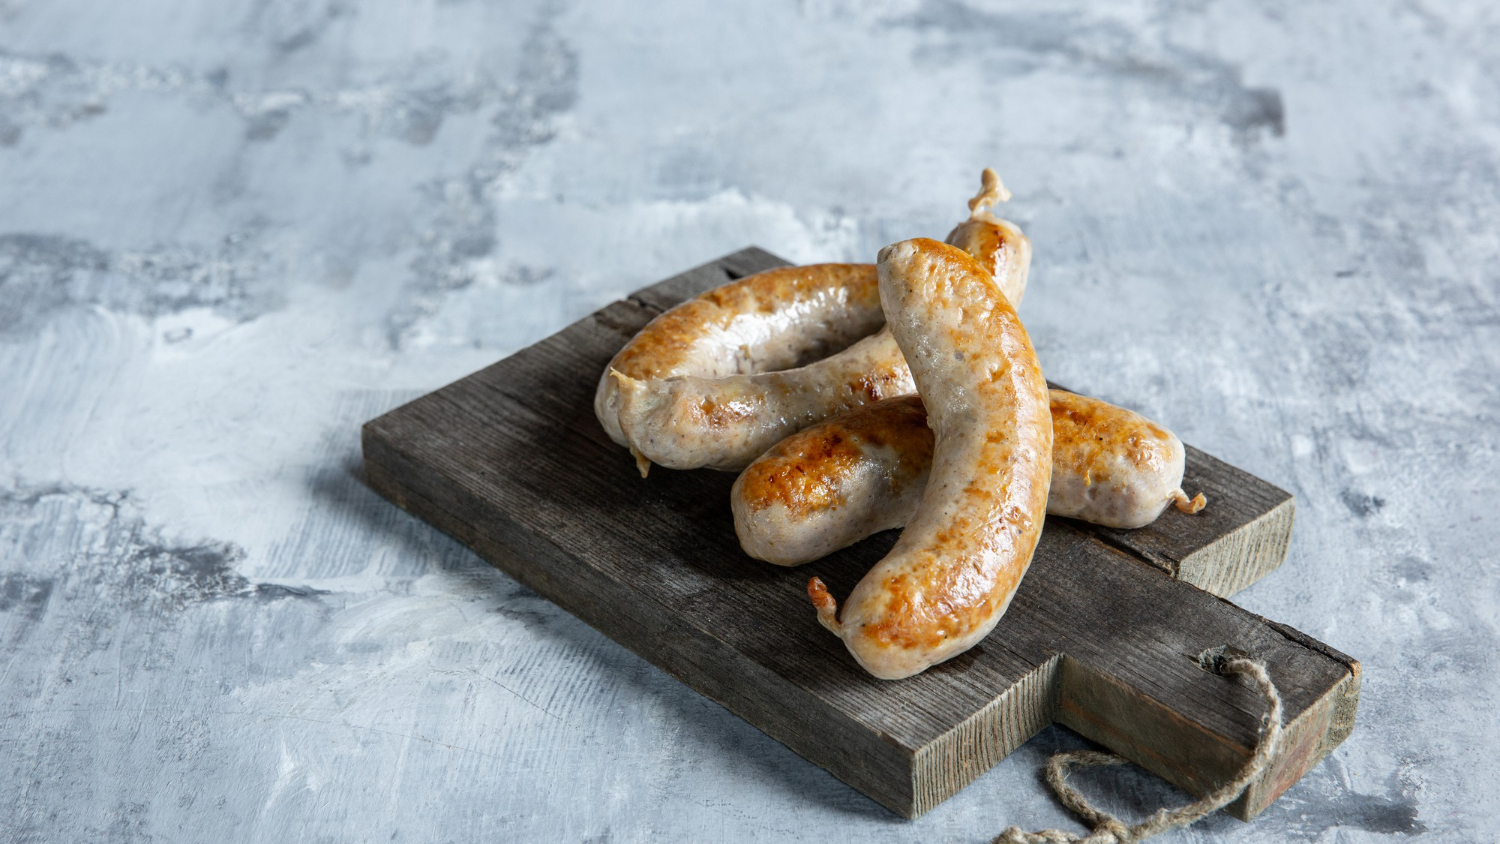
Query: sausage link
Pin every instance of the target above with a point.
(769, 321)
(725, 423)
(831, 485)
(1113, 467)
(998, 244)
(835, 483)
(722, 377)
(957, 565)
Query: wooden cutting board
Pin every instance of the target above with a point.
(1103, 635)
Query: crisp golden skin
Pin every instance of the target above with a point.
(835, 483)
(1113, 467)
(957, 565)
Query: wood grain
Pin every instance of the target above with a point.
(1103, 635)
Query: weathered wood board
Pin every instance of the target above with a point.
(1103, 635)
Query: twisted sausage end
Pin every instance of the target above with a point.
(828, 608)
(991, 191)
(1180, 499)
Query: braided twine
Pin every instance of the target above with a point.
(1108, 829)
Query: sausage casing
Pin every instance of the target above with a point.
(956, 566)
(720, 378)
(725, 423)
(997, 244)
(833, 484)
(861, 472)
(772, 322)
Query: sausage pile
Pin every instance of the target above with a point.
(855, 398)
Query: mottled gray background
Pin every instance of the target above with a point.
(232, 231)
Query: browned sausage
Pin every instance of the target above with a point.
(837, 482)
(957, 565)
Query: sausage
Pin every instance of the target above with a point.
(775, 321)
(722, 377)
(725, 423)
(835, 483)
(1113, 467)
(831, 485)
(956, 566)
(998, 244)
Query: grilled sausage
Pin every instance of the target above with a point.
(831, 485)
(722, 377)
(835, 483)
(725, 423)
(998, 244)
(957, 565)
(775, 321)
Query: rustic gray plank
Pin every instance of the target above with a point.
(511, 461)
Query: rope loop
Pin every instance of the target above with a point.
(1108, 829)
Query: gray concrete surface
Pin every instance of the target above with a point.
(232, 231)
